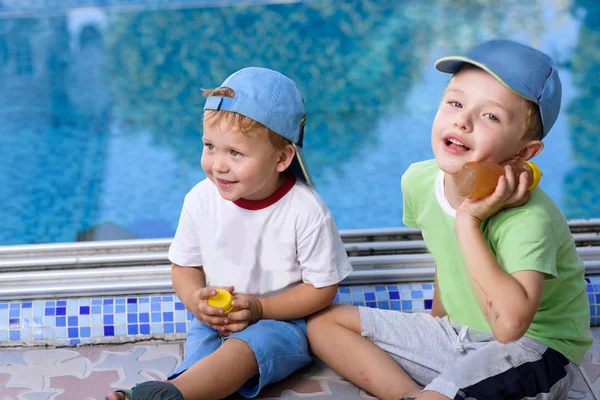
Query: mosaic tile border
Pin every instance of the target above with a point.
(110, 319)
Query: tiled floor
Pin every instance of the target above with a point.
(87, 373)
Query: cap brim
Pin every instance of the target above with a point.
(299, 166)
(453, 64)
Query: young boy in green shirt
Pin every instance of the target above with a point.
(510, 314)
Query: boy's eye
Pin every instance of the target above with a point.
(491, 117)
(235, 153)
(455, 104)
(209, 146)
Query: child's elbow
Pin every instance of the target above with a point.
(510, 329)
(329, 293)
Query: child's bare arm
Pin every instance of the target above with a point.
(508, 301)
(437, 307)
(297, 302)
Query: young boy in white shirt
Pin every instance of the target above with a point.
(256, 227)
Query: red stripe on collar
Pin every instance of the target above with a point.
(253, 205)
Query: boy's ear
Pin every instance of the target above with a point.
(531, 149)
(286, 155)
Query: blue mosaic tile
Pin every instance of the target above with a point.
(358, 297)
(381, 296)
(86, 320)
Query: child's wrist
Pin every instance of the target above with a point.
(466, 222)
(260, 308)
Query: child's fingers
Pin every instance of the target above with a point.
(240, 315)
(522, 186)
(241, 302)
(205, 292)
(236, 326)
(209, 310)
(511, 180)
(214, 320)
(230, 289)
(500, 191)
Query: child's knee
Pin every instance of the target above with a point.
(334, 315)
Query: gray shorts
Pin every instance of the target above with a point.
(462, 363)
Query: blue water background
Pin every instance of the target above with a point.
(101, 105)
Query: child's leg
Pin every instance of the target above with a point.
(215, 376)
(335, 337)
(492, 370)
(219, 374)
(268, 351)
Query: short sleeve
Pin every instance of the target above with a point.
(525, 241)
(408, 217)
(185, 248)
(322, 257)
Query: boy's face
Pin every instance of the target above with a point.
(242, 166)
(478, 119)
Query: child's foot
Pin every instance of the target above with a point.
(120, 395)
(151, 390)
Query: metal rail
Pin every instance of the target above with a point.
(141, 266)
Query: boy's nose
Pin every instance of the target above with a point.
(463, 122)
(220, 166)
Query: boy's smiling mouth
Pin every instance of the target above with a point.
(454, 146)
(224, 183)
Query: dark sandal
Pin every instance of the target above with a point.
(153, 390)
(126, 392)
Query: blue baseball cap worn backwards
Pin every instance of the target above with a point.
(524, 70)
(272, 99)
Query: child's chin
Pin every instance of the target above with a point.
(228, 196)
(449, 167)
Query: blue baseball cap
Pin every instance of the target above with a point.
(524, 70)
(271, 98)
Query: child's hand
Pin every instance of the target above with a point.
(509, 192)
(211, 316)
(247, 310)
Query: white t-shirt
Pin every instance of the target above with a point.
(260, 247)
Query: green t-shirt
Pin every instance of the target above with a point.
(535, 236)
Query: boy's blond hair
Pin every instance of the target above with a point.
(243, 123)
(533, 122)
